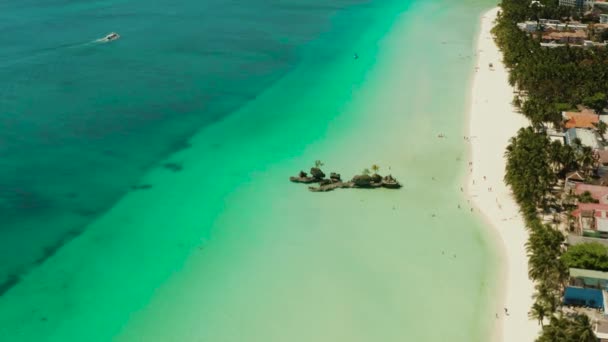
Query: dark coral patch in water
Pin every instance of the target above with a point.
(175, 167)
(141, 187)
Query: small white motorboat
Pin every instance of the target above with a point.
(110, 37)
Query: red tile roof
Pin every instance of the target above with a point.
(596, 207)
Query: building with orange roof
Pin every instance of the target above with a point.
(584, 119)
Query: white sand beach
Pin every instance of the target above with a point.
(493, 122)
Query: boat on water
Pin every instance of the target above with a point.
(110, 37)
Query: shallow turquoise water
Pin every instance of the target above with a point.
(228, 250)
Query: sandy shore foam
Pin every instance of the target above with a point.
(493, 121)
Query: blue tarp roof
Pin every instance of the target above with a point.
(587, 297)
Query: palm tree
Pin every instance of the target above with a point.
(375, 168)
(318, 163)
(601, 128)
(581, 329)
(366, 172)
(587, 159)
(538, 312)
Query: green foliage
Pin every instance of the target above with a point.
(530, 166)
(585, 197)
(366, 172)
(601, 128)
(576, 328)
(591, 256)
(596, 102)
(544, 252)
(318, 163)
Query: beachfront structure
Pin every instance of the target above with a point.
(580, 296)
(591, 219)
(587, 118)
(564, 37)
(587, 137)
(588, 278)
(580, 4)
(550, 24)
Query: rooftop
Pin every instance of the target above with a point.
(602, 156)
(574, 240)
(581, 273)
(575, 176)
(584, 119)
(587, 137)
(597, 191)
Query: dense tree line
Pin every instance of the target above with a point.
(534, 164)
(549, 81)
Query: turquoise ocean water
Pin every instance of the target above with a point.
(240, 96)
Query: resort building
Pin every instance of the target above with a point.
(588, 278)
(587, 137)
(551, 25)
(580, 4)
(587, 118)
(574, 38)
(580, 296)
(591, 219)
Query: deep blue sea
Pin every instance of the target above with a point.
(81, 121)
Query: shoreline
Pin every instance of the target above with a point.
(492, 123)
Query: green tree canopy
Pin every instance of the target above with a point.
(529, 166)
(590, 256)
(596, 102)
